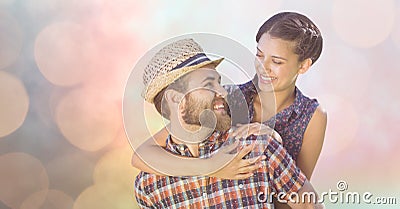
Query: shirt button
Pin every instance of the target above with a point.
(241, 186)
(181, 148)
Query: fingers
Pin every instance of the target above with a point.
(230, 147)
(240, 168)
(243, 175)
(246, 150)
(252, 161)
(238, 132)
(251, 168)
(243, 131)
(276, 136)
(255, 159)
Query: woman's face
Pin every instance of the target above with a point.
(276, 64)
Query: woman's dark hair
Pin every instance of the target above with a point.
(291, 26)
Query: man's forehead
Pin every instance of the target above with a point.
(204, 72)
(200, 77)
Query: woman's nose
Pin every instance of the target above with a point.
(263, 65)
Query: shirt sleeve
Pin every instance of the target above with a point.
(284, 176)
(238, 105)
(142, 199)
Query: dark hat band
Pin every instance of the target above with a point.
(196, 59)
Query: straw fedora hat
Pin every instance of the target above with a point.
(172, 62)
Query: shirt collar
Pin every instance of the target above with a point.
(180, 149)
(213, 142)
(298, 102)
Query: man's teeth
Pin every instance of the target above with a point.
(221, 106)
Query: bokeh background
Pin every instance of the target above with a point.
(64, 64)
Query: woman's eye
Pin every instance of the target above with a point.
(258, 55)
(277, 62)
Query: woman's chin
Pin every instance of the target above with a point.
(266, 88)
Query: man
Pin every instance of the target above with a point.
(185, 88)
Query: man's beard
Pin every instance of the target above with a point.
(194, 108)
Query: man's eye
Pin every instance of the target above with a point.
(209, 85)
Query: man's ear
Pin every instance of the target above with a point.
(305, 65)
(173, 97)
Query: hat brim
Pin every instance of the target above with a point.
(160, 82)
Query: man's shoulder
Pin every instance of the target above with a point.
(144, 179)
(240, 88)
(140, 179)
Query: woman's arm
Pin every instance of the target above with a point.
(222, 164)
(311, 147)
(312, 142)
(157, 140)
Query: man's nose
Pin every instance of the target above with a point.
(221, 91)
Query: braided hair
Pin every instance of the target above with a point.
(295, 27)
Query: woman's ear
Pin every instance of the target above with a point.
(305, 65)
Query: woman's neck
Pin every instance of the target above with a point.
(270, 103)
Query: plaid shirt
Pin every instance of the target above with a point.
(278, 174)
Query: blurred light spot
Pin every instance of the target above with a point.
(106, 196)
(345, 71)
(62, 172)
(383, 116)
(65, 53)
(138, 123)
(45, 10)
(363, 24)
(115, 168)
(121, 140)
(343, 123)
(249, 23)
(154, 120)
(21, 175)
(113, 179)
(396, 30)
(119, 48)
(88, 121)
(10, 39)
(53, 199)
(41, 106)
(14, 103)
(121, 12)
(6, 2)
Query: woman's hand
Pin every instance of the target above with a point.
(237, 168)
(245, 130)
